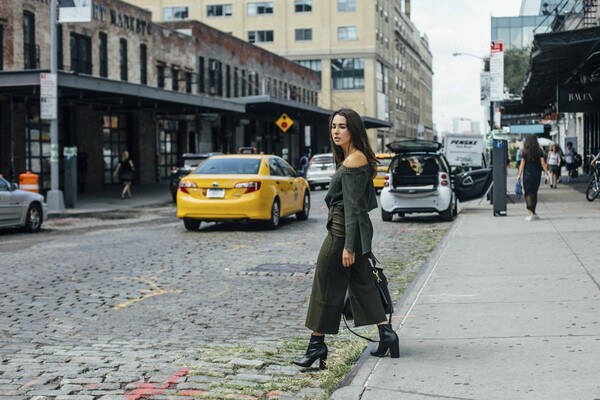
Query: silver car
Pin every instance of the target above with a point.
(20, 208)
(320, 170)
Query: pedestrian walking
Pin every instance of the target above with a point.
(343, 263)
(553, 161)
(125, 170)
(518, 158)
(530, 171)
(570, 160)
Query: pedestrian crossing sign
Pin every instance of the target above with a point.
(284, 122)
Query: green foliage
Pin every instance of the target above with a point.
(516, 62)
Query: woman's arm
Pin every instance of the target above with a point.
(544, 165)
(521, 168)
(117, 169)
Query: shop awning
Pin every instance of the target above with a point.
(84, 89)
(273, 107)
(560, 58)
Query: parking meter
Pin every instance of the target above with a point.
(499, 157)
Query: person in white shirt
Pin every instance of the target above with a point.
(553, 162)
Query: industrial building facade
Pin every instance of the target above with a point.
(155, 89)
(369, 55)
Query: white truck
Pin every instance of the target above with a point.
(465, 152)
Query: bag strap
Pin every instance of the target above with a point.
(373, 263)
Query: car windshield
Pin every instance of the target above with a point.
(320, 160)
(385, 162)
(192, 162)
(229, 166)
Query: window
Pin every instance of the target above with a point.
(81, 54)
(346, 5)
(168, 139)
(170, 13)
(348, 73)
(188, 82)
(215, 78)
(103, 56)
(260, 8)
(227, 81)
(160, 76)
(260, 36)
(303, 35)
(302, 6)
(143, 64)
(1, 47)
(218, 10)
(123, 58)
(236, 82)
(29, 48)
(200, 74)
(174, 79)
(347, 33)
(315, 65)
(116, 139)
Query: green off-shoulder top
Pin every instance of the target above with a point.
(353, 190)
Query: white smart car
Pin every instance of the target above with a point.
(419, 180)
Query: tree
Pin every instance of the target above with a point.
(516, 63)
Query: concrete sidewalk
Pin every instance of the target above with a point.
(504, 309)
(109, 200)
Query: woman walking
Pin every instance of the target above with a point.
(530, 171)
(343, 262)
(125, 171)
(554, 159)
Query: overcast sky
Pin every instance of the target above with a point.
(458, 26)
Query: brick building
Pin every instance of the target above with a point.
(155, 89)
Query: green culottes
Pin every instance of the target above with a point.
(332, 280)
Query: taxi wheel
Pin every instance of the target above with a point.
(273, 223)
(191, 224)
(33, 222)
(303, 215)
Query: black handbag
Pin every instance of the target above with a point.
(381, 283)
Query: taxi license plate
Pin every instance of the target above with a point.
(215, 193)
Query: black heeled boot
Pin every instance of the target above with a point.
(316, 349)
(387, 340)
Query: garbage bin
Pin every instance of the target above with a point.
(30, 182)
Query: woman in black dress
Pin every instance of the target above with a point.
(125, 171)
(343, 263)
(530, 171)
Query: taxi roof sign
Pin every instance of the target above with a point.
(284, 122)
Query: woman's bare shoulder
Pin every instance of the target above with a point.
(355, 160)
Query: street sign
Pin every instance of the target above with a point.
(48, 97)
(284, 123)
(497, 71)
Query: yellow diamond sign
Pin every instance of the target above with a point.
(284, 122)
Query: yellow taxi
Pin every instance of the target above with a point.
(242, 187)
(385, 160)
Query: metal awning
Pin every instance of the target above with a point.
(558, 58)
(274, 107)
(84, 89)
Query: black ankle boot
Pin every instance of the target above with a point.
(387, 340)
(316, 349)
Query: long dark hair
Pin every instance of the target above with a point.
(358, 138)
(531, 149)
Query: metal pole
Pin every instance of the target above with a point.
(55, 196)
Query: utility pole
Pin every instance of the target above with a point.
(55, 198)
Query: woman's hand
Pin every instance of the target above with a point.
(348, 258)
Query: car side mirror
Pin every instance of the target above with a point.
(13, 186)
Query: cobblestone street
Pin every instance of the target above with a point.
(131, 308)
